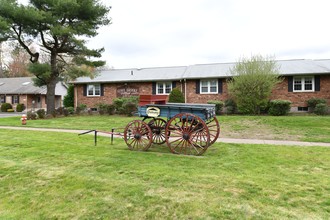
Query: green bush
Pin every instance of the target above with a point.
(30, 115)
(231, 106)
(106, 108)
(176, 96)
(20, 107)
(129, 108)
(120, 104)
(313, 102)
(279, 107)
(68, 100)
(321, 109)
(81, 108)
(218, 106)
(10, 110)
(41, 113)
(5, 107)
(70, 110)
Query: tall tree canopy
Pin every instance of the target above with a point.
(60, 28)
(252, 83)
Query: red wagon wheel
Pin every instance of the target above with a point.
(157, 126)
(138, 135)
(187, 134)
(214, 129)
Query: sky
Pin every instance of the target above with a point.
(158, 33)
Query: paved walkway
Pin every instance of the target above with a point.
(223, 140)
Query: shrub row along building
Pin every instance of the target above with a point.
(303, 79)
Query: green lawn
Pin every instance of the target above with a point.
(300, 128)
(47, 175)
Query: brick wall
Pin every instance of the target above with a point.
(300, 98)
(145, 88)
(110, 93)
(192, 97)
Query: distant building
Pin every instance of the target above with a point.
(303, 79)
(22, 90)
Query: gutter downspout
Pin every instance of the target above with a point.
(76, 96)
(185, 90)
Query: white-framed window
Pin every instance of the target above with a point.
(303, 84)
(209, 86)
(163, 88)
(93, 90)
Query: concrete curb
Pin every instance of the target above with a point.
(221, 140)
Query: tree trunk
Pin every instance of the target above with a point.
(51, 84)
(50, 96)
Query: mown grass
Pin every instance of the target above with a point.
(47, 175)
(300, 128)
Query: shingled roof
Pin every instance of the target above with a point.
(199, 71)
(21, 85)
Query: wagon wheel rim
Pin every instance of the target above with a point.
(187, 134)
(157, 127)
(214, 129)
(138, 135)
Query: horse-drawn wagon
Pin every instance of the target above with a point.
(185, 128)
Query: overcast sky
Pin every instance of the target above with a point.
(153, 33)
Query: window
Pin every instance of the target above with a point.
(302, 109)
(163, 88)
(303, 84)
(93, 90)
(209, 86)
(15, 99)
(2, 99)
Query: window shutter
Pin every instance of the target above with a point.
(12, 99)
(102, 89)
(154, 88)
(173, 84)
(219, 86)
(198, 82)
(85, 90)
(290, 84)
(317, 82)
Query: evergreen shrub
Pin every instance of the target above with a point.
(20, 107)
(279, 107)
(121, 104)
(312, 102)
(41, 113)
(5, 107)
(321, 109)
(176, 96)
(30, 115)
(231, 106)
(218, 106)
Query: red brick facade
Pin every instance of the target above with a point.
(298, 99)
(110, 93)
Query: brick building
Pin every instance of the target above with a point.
(303, 79)
(22, 90)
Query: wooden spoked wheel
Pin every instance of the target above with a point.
(187, 134)
(157, 126)
(214, 129)
(138, 135)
